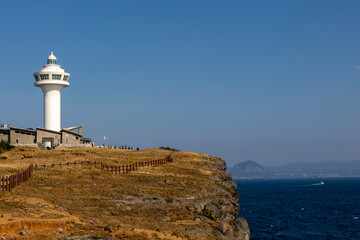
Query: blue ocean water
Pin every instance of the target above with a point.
(301, 208)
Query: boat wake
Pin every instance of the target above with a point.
(317, 184)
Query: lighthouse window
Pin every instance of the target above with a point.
(56, 76)
(51, 61)
(44, 76)
(36, 77)
(66, 77)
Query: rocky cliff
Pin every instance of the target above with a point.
(189, 198)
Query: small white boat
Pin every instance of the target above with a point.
(322, 183)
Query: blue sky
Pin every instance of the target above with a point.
(270, 81)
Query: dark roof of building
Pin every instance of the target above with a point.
(22, 129)
(47, 130)
(4, 130)
(85, 139)
(74, 133)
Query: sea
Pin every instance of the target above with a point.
(301, 208)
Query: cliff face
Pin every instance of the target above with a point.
(224, 203)
(189, 198)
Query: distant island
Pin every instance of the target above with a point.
(252, 170)
(248, 169)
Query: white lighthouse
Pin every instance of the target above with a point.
(52, 79)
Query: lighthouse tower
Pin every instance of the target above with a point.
(52, 79)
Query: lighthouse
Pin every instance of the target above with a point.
(52, 79)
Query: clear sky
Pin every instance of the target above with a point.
(269, 81)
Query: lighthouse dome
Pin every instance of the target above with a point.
(51, 59)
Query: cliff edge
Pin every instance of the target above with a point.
(189, 198)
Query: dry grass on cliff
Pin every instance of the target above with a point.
(84, 200)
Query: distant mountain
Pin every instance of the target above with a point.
(248, 169)
(317, 169)
(251, 169)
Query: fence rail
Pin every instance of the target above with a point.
(9, 182)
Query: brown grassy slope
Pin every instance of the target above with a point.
(86, 200)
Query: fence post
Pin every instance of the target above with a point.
(75, 163)
(35, 167)
(44, 167)
(8, 180)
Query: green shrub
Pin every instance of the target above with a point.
(5, 146)
(168, 148)
(210, 214)
(3, 157)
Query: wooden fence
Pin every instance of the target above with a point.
(9, 182)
